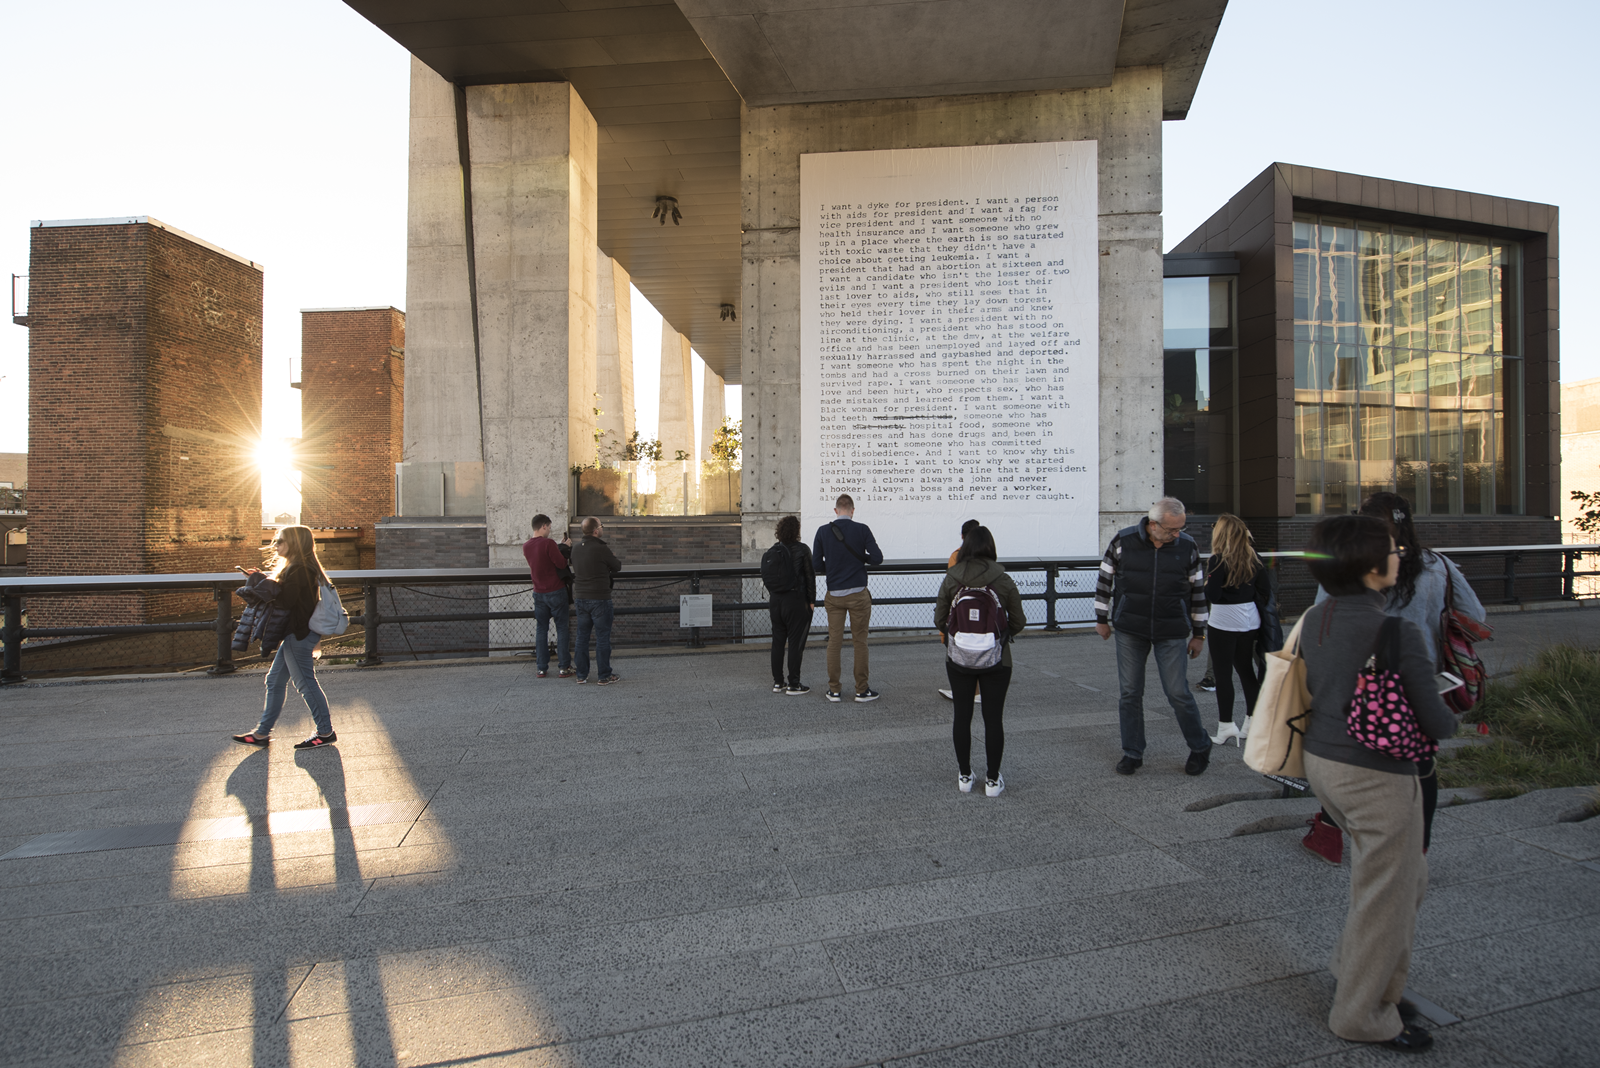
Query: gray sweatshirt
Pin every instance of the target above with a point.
(1335, 641)
(1427, 601)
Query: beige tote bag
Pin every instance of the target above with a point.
(1276, 745)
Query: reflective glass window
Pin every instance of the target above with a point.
(1400, 376)
(1308, 459)
(1444, 310)
(1200, 414)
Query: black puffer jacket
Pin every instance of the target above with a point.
(263, 619)
(1154, 597)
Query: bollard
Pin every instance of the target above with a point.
(369, 627)
(694, 587)
(1050, 575)
(224, 664)
(12, 671)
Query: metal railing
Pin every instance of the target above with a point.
(1055, 592)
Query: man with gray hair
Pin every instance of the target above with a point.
(1152, 592)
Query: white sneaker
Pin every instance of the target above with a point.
(964, 783)
(995, 787)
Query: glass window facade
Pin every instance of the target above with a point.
(1201, 391)
(1407, 369)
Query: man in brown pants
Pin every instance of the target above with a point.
(841, 552)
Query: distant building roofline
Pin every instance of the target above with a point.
(139, 220)
(374, 307)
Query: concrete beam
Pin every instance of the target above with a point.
(614, 354)
(441, 406)
(533, 201)
(713, 411)
(676, 421)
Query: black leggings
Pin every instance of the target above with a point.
(963, 688)
(1237, 649)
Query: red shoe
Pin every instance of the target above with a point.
(1325, 840)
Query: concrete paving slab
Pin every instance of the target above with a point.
(689, 870)
(1531, 964)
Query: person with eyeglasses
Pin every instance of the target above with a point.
(1374, 795)
(1152, 593)
(1418, 595)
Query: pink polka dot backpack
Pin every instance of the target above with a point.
(1380, 718)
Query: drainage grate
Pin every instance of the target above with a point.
(211, 830)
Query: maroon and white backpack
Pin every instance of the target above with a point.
(975, 628)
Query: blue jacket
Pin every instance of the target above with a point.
(836, 563)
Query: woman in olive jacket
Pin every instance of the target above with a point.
(1373, 796)
(976, 566)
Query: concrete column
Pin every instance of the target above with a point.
(1125, 118)
(676, 422)
(713, 410)
(441, 405)
(614, 354)
(533, 212)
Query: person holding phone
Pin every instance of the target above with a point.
(1372, 794)
(299, 575)
(1418, 595)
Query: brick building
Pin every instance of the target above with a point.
(144, 407)
(352, 378)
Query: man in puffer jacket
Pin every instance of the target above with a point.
(1152, 593)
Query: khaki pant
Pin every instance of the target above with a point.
(1382, 814)
(859, 607)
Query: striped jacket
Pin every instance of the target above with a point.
(1150, 600)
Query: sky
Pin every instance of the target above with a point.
(278, 131)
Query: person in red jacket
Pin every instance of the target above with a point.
(550, 571)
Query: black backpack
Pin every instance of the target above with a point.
(778, 570)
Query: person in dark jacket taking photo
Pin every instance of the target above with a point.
(300, 578)
(593, 565)
(842, 552)
(790, 606)
(1152, 593)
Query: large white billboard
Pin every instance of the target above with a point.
(949, 363)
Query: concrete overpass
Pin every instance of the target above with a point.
(564, 121)
(665, 83)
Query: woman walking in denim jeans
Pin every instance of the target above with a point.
(300, 578)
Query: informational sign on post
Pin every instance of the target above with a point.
(949, 344)
(694, 610)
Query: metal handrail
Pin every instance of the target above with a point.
(222, 584)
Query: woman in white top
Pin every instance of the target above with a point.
(1236, 588)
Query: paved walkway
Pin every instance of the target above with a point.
(685, 869)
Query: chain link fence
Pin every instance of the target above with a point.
(463, 613)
